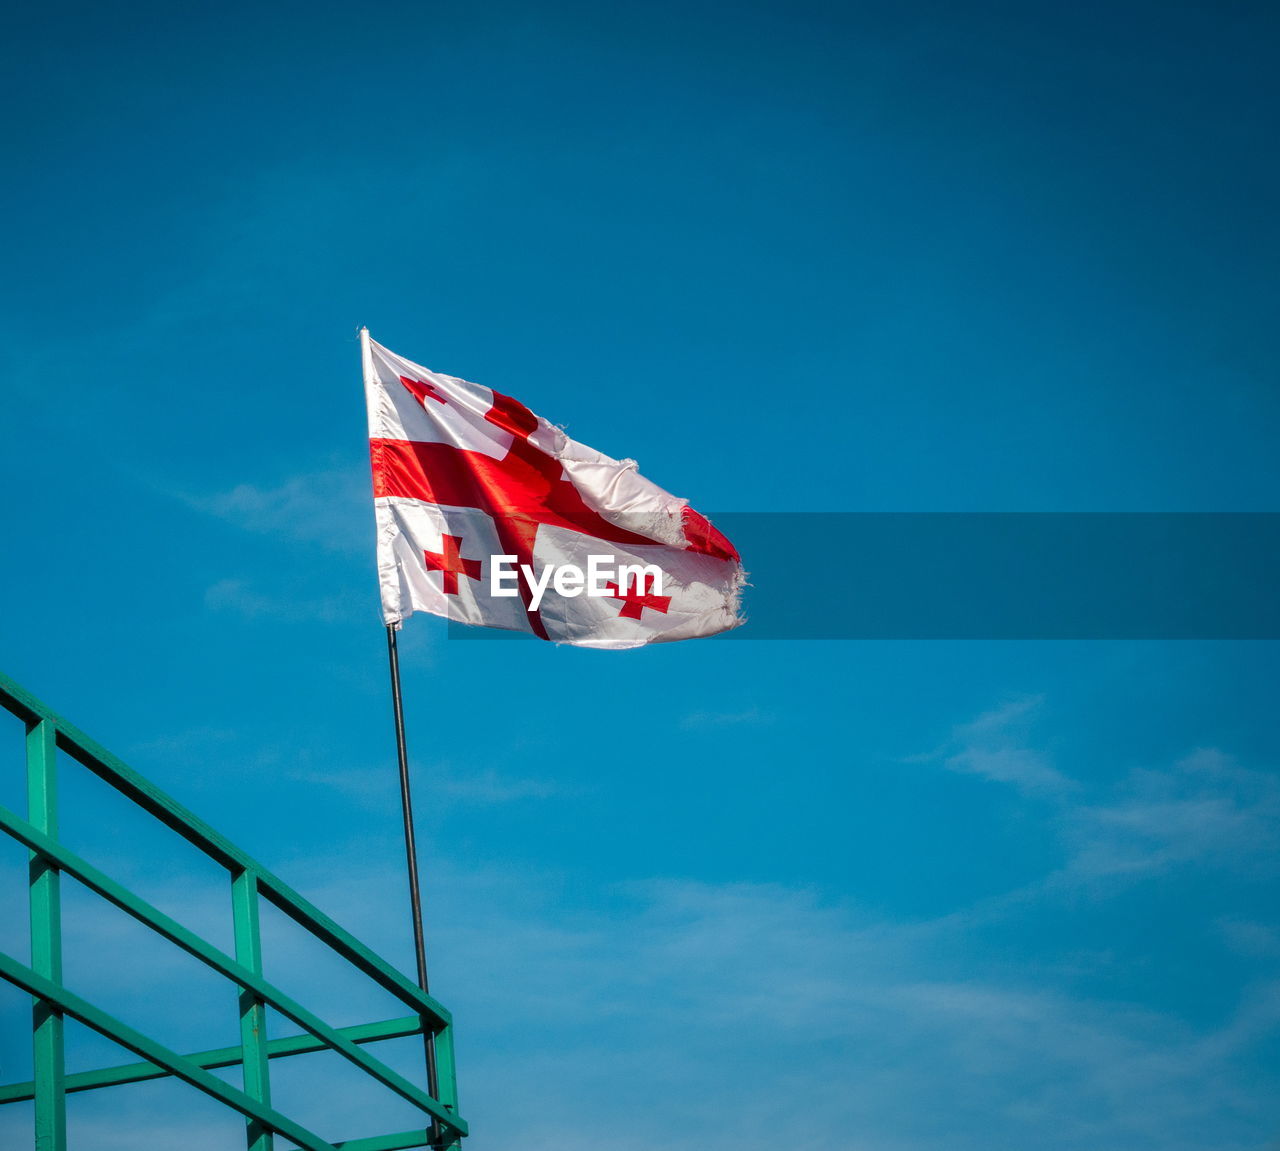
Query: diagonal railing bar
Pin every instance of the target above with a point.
(280, 895)
(170, 929)
(398, 1142)
(76, 1008)
(218, 1057)
(48, 733)
(187, 824)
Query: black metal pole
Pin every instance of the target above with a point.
(411, 857)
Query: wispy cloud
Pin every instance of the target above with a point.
(369, 788)
(195, 742)
(328, 506)
(750, 717)
(996, 746)
(1251, 938)
(880, 1031)
(879, 1036)
(376, 788)
(242, 598)
(489, 787)
(1204, 809)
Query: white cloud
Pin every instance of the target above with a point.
(368, 787)
(377, 787)
(1026, 769)
(489, 787)
(1251, 938)
(242, 598)
(329, 506)
(995, 747)
(1205, 809)
(753, 1008)
(700, 1015)
(713, 1016)
(702, 719)
(195, 742)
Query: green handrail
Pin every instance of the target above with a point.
(250, 882)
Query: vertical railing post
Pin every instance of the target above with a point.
(447, 1078)
(253, 1012)
(46, 942)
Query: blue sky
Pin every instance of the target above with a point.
(884, 896)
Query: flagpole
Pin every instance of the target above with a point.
(410, 839)
(410, 846)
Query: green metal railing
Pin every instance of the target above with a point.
(250, 883)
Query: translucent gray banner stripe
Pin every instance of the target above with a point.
(953, 576)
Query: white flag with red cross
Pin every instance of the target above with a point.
(490, 515)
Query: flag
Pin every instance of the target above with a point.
(490, 515)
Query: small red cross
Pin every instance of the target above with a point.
(449, 560)
(635, 601)
(421, 390)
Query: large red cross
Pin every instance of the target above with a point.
(636, 599)
(527, 488)
(420, 390)
(449, 561)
